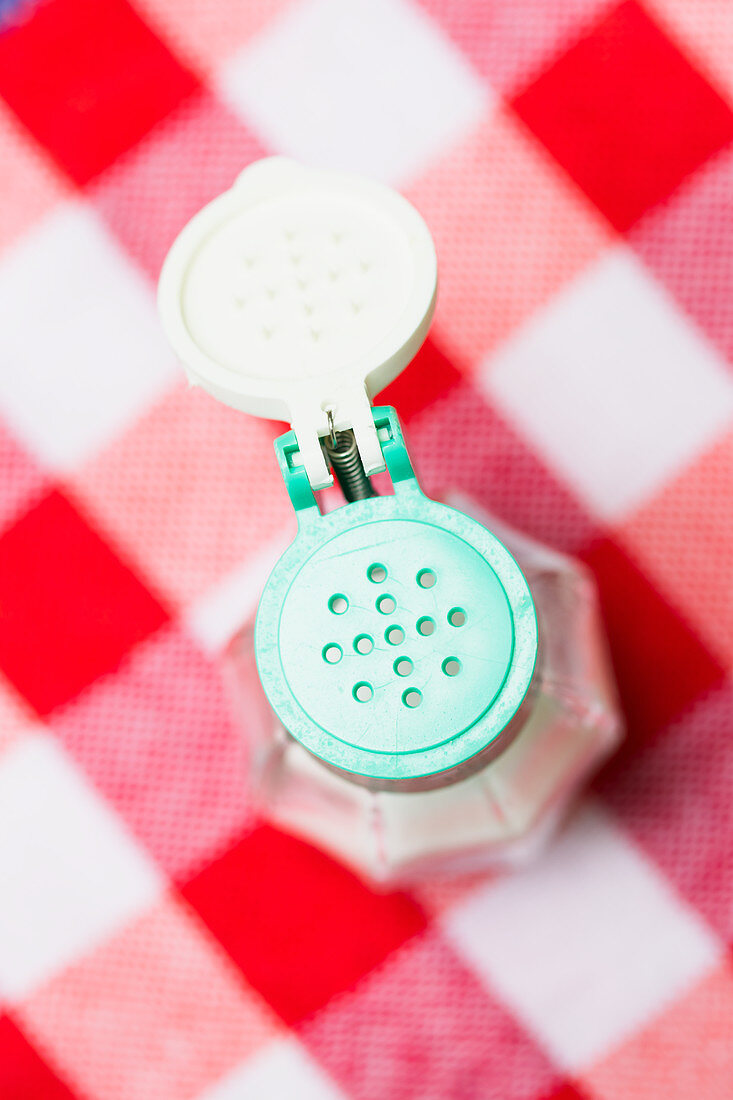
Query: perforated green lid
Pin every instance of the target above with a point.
(396, 638)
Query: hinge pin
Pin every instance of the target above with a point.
(343, 455)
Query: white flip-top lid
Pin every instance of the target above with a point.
(300, 292)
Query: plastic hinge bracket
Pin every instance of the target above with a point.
(396, 459)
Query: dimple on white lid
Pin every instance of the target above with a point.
(300, 292)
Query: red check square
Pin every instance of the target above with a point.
(69, 608)
(684, 539)
(88, 80)
(300, 926)
(430, 375)
(23, 1073)
(661, 664)
(626, 114)
(566, 1091)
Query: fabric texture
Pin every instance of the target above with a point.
(574, 160)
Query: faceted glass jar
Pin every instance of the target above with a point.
(496, 814)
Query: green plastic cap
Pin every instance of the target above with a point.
(396, 638)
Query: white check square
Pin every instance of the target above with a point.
(613, 385)
(587, 945)
(370, 86)
(283, 1069)
(69, 873)
(82, 351)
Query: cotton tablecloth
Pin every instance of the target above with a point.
(574, 161)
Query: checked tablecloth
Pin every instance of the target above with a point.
(574, 160)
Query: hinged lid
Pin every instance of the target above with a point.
(300, 292)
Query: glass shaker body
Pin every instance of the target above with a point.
(494, 812)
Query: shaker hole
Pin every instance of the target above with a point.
(363, 692)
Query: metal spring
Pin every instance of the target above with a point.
(344, 457)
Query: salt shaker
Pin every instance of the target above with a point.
(423, 690)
